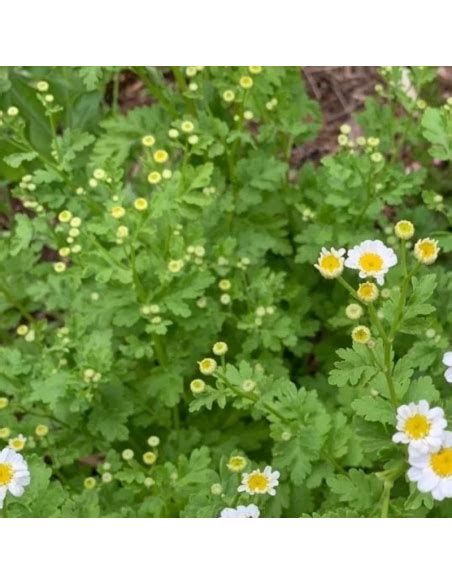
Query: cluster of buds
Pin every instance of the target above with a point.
(208, 366)
(99, 175)
(26, 332)
(72, 225)
(91, 376)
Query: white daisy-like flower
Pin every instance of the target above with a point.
(260, 482)
(372, 258)
(242, 512)
(419, 426)
(432, 471)
(447, 361)
(14, 474)
(331, 263)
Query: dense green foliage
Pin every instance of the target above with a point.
(102, 328)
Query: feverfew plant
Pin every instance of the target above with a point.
(201, 320)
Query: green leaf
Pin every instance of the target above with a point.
(23, 234)
(422, 388)
(437, 129)
(374, 409)
(359, 489)
(15, 160)
(354, 367)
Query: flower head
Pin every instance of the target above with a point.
(236, 463)
(260, 482)
(197, 386)
(5, 433)
(432, 469)
(242, 512)
(128, 454)
(331, 263)
(248, 385)
(404, 229)
(426, 250)
(17, 443)
(154, 177)
(255, 70)
(228, 95)
(41, 430)
(361, 334)
(367, 292)
(220, 348)
(207, 366)
(419, 426)
(149, 458)
(153, 441)
(14, 474)
(160, 156)
(175, 266)
(4, 401)
(118, 212)
(89, 483)
(372, 258)
(187, 126)
(246, 82)
(354, 311)
(140, 204)
(148, 140)
(59, 267)
(65, 216)
(42, 86)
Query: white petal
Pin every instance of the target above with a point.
(448, 375)
(447, 359)
(428, 481)
(16, 489)
(400, 437)
(414, 474)
(447, 487)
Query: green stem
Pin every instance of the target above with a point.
(182, 84)
(387, 488)
(387, 346)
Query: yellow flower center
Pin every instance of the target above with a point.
(417, 426)
(427, 249)
(258, 482)
(441, 462)
(329, 263)
(367, 291)
(237, 463)
(6, 474)
(371, 262)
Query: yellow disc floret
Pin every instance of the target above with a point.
(6, 474)
(417, 426)
(330, 263)
(441, 462)
(246, 82)
(160, 156)
(404, 229)
(361, 334)
(371, 262)
(236, 463)
(207, 366)
(426, 250)
(367, 292)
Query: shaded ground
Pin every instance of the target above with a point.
(340, 92)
